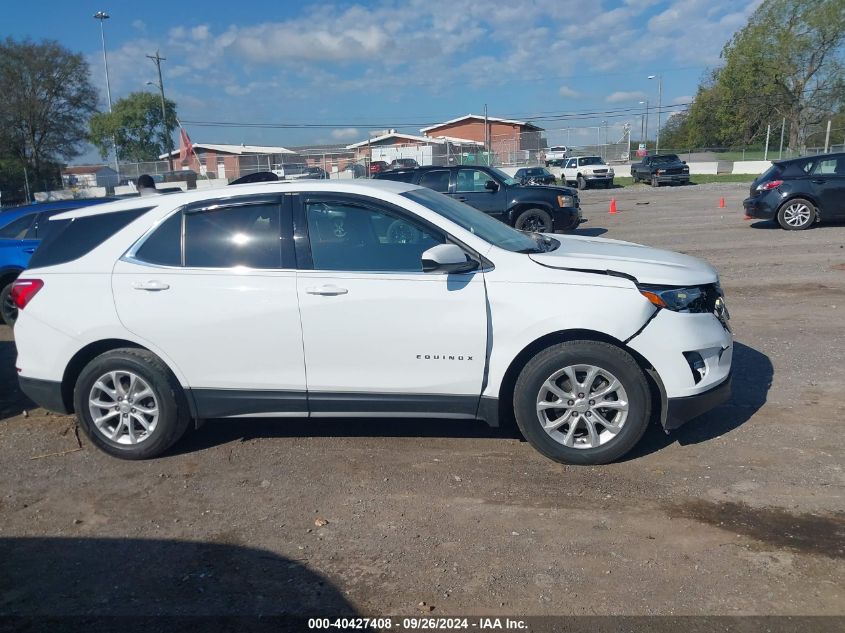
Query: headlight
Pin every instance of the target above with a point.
(565, 201)
(659, 171)
(610, 171)
(677, 299)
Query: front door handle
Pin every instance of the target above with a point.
(819, 181)
(461, 198)
(329, 290)
(152, 285)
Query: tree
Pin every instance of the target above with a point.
(785, 63)
(47, 100)
(135, 125)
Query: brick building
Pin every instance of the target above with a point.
(511, 141)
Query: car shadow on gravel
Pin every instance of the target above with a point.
(752, 378)
(126, 584)
(593, 231)
(217, 432)
(12, 399)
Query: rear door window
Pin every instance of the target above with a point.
(248, 236)
(437, 179)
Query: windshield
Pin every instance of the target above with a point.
(591, 160)
(665, 158)
(487, 228)
(510, 182)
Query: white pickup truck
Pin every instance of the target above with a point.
(556, 155)
(583, 171)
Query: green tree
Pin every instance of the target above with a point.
(135, 124)
(47, 99)
(787, 62)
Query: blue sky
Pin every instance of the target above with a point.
(356, 67)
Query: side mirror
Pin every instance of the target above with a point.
(446, 258)
(491, 185)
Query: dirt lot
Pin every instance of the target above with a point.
(739, 512)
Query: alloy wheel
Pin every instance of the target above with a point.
(797, 214)
(123, 407)
(582, 406)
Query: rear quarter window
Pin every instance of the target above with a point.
(67, 240)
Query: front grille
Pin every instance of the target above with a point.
(599, 171)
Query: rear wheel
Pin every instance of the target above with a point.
(796, 214)
(130, 405)
(582, 402)
(8, 309)
(534, 221)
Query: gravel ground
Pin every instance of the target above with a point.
(739, 512)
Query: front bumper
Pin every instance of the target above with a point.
(682, 410)
(567, 218)
(44, 393)
(672, 178)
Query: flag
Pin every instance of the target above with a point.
(185, 147)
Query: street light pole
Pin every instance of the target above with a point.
(157, 59)
(659, 107)
(644, 124)
(102, 16)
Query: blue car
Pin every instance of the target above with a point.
(20, 236)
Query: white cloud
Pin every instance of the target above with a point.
(681, 100)
(566, 91)
(139, 25)
(345, 133)
(622, 96)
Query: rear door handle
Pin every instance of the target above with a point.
(152, 285)
(461, 198)
(819, 181)
(329, 290)
(30, 250)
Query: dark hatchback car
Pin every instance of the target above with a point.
(799, 192)
(403, 163)
(526, 208)
(535, 175)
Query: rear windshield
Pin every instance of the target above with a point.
(66, 240)
(665, 158)
(401, 176)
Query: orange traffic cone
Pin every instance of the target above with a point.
(721, 203)
(612, 206)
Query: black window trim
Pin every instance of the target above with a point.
(302, 240)
(282, 200)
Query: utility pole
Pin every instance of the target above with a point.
(102, 16)
(157, 59)
(659, 108)
(486, 135)
(827, 137)
(782, 130)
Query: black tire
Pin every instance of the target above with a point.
(796, 214)
(173, 417)
(655, 182)
(608, 358)
(634, 177)
(581, 183)
(8, 310)
(534, 220)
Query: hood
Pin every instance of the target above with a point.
(648, 265)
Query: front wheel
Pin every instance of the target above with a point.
(796, 215)
(655, 182)
(130, 405)
(534, 221)
(8, 309)
(582, 402)
(581, 182)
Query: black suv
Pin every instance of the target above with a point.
(526, 208)
(659, 169)
(800, 191)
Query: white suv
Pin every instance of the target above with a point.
(361, 299)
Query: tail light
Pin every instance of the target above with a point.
(23, 290)
(768, 186)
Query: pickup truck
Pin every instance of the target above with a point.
(584, 171)
(556, 155)
(660, 169)
(526, 208)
